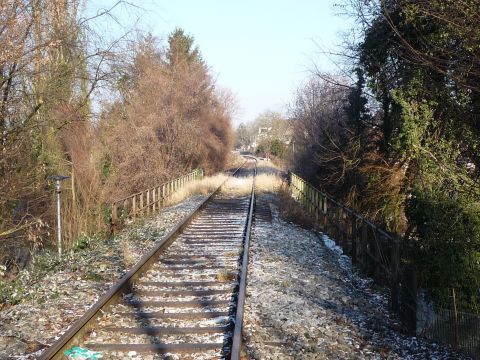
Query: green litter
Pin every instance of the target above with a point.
(78, 353)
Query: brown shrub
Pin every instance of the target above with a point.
(290, 210)
(171, 121)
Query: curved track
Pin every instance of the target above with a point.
(185, 297)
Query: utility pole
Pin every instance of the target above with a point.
(58, 190)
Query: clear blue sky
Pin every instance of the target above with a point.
(261, 50)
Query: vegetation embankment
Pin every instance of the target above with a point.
(399, 140)
(115, 116)
(103, 260)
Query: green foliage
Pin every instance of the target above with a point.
(269, 132)
(357, 114)
(181, 50)
(106, 167)
(277, 148)
(449, 248)
(85, 241)
(409, 157)
(416, 118)
(10, 292)
(93, 276)
(243, 136)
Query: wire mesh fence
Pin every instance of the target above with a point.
(457, 328)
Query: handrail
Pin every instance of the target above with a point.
(149, 201)
(374, 251)
(194, 172)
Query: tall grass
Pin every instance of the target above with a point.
(204, 186)
(242, 186)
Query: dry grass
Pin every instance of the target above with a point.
(226, 276)
(127, 254)
(290, 210)
(234, 160)
(268, 183)
(243, 186)
(201, 187)
(267, 165)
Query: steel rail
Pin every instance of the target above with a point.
(237, 332)
(81, 326)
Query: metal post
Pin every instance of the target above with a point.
(394, 281)
(456, 317)
(58, 190)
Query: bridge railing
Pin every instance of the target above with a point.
(148, 201)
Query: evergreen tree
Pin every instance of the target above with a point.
(181, 49)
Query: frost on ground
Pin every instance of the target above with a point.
(51, 302)
(305, 302)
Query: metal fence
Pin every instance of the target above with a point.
(457, 328)
(378, 254)
(148, 201)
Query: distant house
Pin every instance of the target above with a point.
(288, 135)
(263, 133)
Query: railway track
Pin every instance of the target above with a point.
(185, 298)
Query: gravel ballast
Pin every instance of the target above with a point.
(49, 305)
(304, 301)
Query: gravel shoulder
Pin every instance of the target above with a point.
(304, 301)
(52, 298)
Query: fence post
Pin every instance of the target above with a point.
(113, 221)
(307, 196)
(408, 298)
(325, 215)
(134, 206)
(313, 201)
(316, 207)
(363, 247)
(455, 314)
(154, 199)
(141, 203)
(297, 190)
(395, 263)
(337, 225)
(377, 256)
(372, 253)
(301, 192)
(294, 186)
(309, 203)
(354, 239)
(148, 202)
